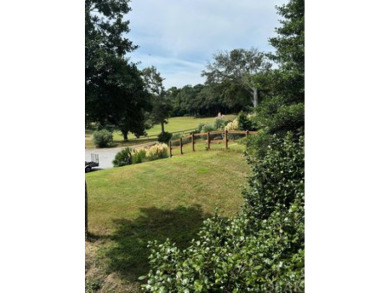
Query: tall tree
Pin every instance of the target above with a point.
(289, 44)
(283, 110)
(113, 88)
(161, 106)
(237, 66)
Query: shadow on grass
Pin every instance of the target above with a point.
(127, 254)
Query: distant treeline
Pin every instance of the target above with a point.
(206, 100)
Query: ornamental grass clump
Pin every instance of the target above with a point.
(138, 156)
(158, 151)
(232, 125)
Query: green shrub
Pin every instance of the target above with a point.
(164, 137)
(138, 156)
(260, 250)
(102, 138)
(288, 118)
(158, 151)
(267, 108)
(275, 116)
(244, 123)
(207, 127)
(220, 123)
(199, 128)
(122, 158)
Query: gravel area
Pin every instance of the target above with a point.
(107, 155)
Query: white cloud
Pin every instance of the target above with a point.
(182, 35)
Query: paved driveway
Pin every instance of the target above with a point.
(106, 156)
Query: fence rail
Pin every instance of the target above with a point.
(224, 134)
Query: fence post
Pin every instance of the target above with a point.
(226, 139)
(208, 140)
(193, 142)
(181, 145)
(247, 133)
(170, 148)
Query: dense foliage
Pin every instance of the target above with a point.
(261, 250)
(237, 67)
(123, 158)
(114, 91)
(161, 106)
(245, 123)
(164, 137)
(102, 138)
(208, 100)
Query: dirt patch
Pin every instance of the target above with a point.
(96, 280)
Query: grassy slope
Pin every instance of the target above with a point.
(174, 124)
(132, 205)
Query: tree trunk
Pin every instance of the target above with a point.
(124, 133)
(255, 97)
(162, 127)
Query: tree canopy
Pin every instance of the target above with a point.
(161, 107)
(289, 45)
(237, 67)
(114, 91)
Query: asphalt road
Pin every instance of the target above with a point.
(107, 155)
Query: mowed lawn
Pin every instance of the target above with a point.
(174, 124)
(167, 198)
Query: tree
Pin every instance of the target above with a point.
(161, 106)
(104, 43)
(237, 66)
(114, 91)
(284, 111)
(289, 45)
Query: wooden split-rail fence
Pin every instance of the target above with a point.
(223, 136)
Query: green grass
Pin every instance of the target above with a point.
(184, 123)
(167, 198)
(174, 124)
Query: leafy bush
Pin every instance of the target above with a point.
(244, 123)
(102, 138)
(288, 118)
(164, 137)
(267, 108)
(260, 250)
(199, 128)
(220, 123)
(122, 158)
(138, 156)
(158, 151)
(207, 127)
(275, 116)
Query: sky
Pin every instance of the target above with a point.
(180, 37)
